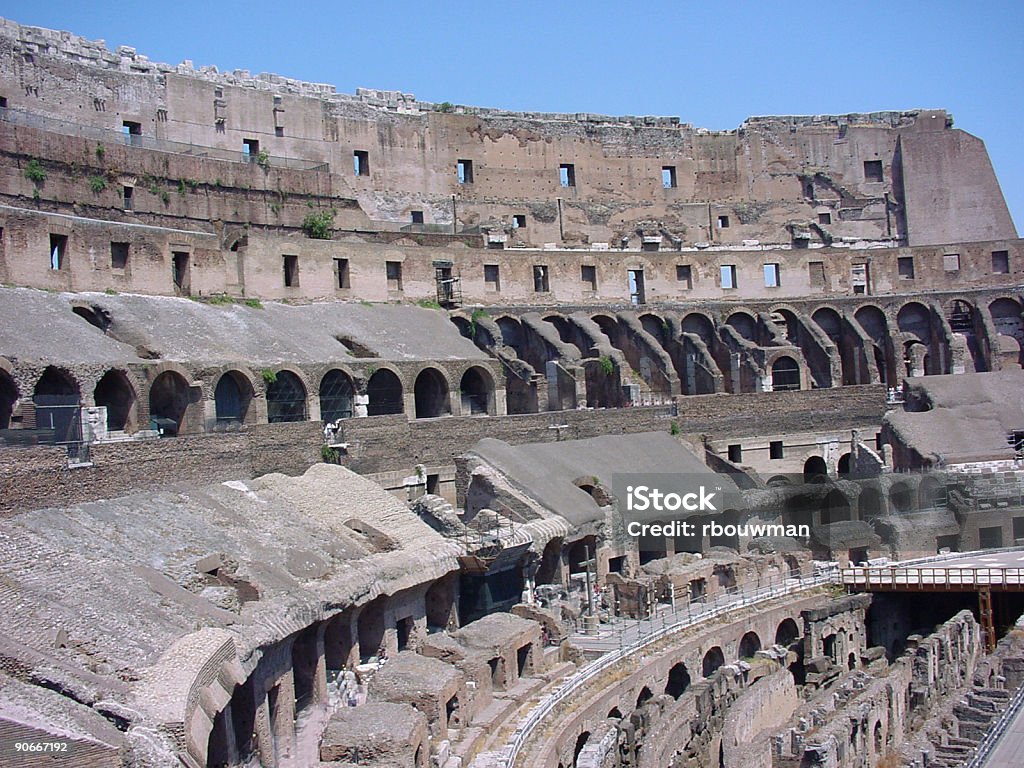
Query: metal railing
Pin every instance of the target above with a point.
(996, 731)
(112, 136)
(719, 607)
(722, 605)
(890, 576)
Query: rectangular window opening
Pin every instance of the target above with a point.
(668, 176)
(119, 256)
(1001, 262)
(727, 273)
(394, 275)
(771, 276)
(873, 170)
(723, 222)
(180, 271)
(342, 273)
(251, 149)
(951, 262)
(736, 453)
(816, 273)
(684, 276)
(417, 217)
(905, 267)
(58, 251)
(131, 130)
(588, 276)
(776, 450)
(279, 131)
(540, 279)
(464, 169)
(361, 162)
(567, 175)
(519, 221)
(637, 289)
(3, 102)
(128, 193)
(824, 218)
(492, 277)
(291, 270)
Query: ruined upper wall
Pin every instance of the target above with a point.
(639, 179)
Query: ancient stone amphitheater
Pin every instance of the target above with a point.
(315, 410)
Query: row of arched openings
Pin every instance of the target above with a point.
(57, 398)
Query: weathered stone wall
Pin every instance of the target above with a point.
(31, 478)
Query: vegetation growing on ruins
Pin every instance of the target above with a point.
(97, 184)
(317, 225)
(607, 366)
(34, 172)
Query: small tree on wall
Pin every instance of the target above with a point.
(318, 225)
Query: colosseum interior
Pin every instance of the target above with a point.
(316, 411)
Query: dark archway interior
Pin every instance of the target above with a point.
(750, 644)
(115, 392)
(815, 470)
(431, 392)
(336, 396)
(785, 374)
(232, 398)
(286, 398)
(787, 633)
(476, 391)
(57, 399)
(168, 398)
(713, 659)
(8, 397)
(678, 680)
(385, 394)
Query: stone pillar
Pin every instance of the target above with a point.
(320, 677)
(265, 734)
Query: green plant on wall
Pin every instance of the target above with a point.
(330, 455)
(674, 429)
(269, 376)
(97, 184)
(101, 151)
(445, 106)
(34, 172)
(317, 226)
(607, 366)
(474, 321)
(263, 160)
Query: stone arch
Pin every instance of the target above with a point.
(874, 323)
(476, 390)
(286, 398)
(901, 497)
(431, 394)
(779, 481)
(655, 325)
(744, 323)
(787, 633)
(116, 392)
(785, 374)
(843, 465)
(870, 503)
(932, 494)
(750, 644)
(712, 660)
(9, 395)
(581, 742)
(169, 400)
(384, 390)
(232, 398)
(643, 696)
(1007, 321)
(337, 395)
(835, 508)
(815, 470)
(678, 680)
(700, 325)
(915, 319)
(614, 714)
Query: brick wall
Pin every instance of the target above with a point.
(32, 478)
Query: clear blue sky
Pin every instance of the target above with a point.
(711, 62)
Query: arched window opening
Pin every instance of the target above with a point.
(431, 393)
(115, 393)
(385, 394)
(286, 398)
(336, 396)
